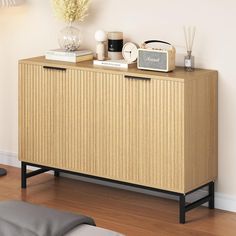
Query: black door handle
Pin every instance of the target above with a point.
(137, 77)
(54, 68)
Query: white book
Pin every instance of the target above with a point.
(114, 63)
(62, 52)
(69, 58)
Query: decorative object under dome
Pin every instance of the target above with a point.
(70, 11)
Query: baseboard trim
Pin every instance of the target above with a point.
(222, 201)
(225, 202)
(9, 158)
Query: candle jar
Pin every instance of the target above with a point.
(115, 45)
(189, 61)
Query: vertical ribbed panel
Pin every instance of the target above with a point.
(57, 118)
(139, 131)
(103, 124)
(37, 117)
(76, 121)
(160, 133)
(109, 126)
(160, 117)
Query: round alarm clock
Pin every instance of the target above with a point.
(130, 52)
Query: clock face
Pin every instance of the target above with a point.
(130, 52)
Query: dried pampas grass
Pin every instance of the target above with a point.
(71, 10)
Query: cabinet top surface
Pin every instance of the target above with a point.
(178, 74)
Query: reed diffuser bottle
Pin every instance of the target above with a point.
(189, 34)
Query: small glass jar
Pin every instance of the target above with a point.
(69, 38)
(189, 61)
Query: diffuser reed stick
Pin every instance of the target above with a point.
(189, 34)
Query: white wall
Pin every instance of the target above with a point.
(31, 29)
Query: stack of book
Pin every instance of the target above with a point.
(74, 56)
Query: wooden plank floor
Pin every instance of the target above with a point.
(130, 213)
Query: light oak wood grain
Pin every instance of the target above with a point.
(139, 135)
(159, 132)
(179, 74)
(201, 124)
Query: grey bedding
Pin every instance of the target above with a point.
(24, 219)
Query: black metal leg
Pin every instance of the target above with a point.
(182, 209)
(185, 207)
(57, 173)
(23, 175)
(211, 204)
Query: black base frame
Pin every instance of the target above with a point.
(184, 207)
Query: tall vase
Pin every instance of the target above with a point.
(69, 38)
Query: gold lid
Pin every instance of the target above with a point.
(115, 35)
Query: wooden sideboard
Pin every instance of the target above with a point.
(143, 128)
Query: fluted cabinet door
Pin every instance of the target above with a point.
(154, 132)
(57, 117)
(160, 119)
(139, 131)
(37, 113)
